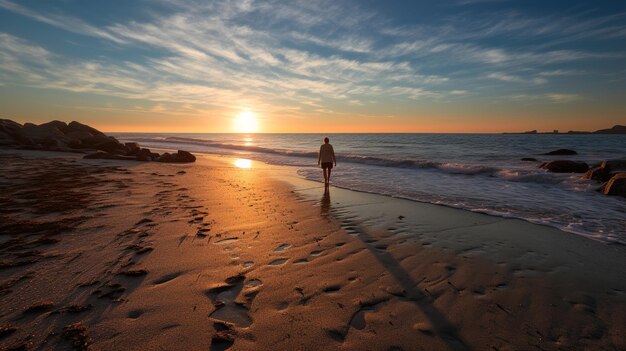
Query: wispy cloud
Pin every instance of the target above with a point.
(515, 79)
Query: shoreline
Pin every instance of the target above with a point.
(288, 168)
(240, 259)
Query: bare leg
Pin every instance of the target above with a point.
(325, 175)
(328, 178)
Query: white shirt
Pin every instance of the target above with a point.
(327, 153)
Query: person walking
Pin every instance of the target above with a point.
(326, 159)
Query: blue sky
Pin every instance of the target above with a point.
(477, 65)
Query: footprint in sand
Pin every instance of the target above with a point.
(253, 283)
(134, 314)
(232, 301)
(278, 261)
(227, 240)
(282, 247)
(224, 337)
(332, 289)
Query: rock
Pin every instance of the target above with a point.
(96, 139)
(108, 156)
(133, 148)
(616, 185)
(598, 173)
(79, 135)
(55, 124)
(616, 129)
(9, 127)
(6, 139)
(76, 126)
(185, 156)
(562, 152)
(606, 170)
(44, 133)
(614, 165)
(76, 144)
(179, 157)
(111, 146)
(530, 159)
(144, 155)
(166, 157)
(565, 166)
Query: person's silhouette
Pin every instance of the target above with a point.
(326, 159)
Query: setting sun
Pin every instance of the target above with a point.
(246, 122)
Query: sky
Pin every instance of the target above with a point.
(315, 66)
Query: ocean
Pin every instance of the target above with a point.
(476, 172)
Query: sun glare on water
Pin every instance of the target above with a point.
(246, 122)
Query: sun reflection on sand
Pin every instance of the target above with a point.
(243, 163)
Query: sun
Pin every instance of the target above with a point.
(246, 122)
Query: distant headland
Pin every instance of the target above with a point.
(617, 129)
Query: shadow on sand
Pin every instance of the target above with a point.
(442, 328)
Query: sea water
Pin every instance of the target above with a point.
(477, 172)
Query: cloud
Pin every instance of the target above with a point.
(515, 79)
(559, 98)
(68, 23)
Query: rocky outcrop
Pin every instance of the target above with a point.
(565, 166)
(606, 170)
(616, 185)
(78, 137)
(561, 152)
(616, 129)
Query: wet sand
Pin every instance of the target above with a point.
(112, 255)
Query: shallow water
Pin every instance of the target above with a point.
(477, 172)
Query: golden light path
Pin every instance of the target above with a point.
(243, 163)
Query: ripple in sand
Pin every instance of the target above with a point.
(248, 264)
(166, 278)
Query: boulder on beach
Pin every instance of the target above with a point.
(79, 135)
(616, 185)
(76, 126)
(133, 148)
(565, 166)
(606, 170)
(167, 157)
(179, 157)
(598, 173)
(44, 133)
(185, 156)
(144, 155)
(561, 152)
(529, 159)
(618, 165)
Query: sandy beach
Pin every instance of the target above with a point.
(117, 255)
